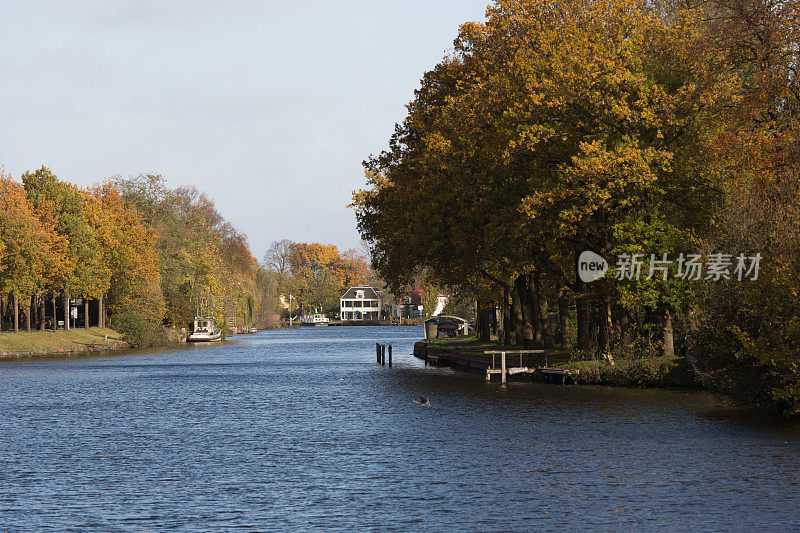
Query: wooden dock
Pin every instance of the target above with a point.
(516, 363)
(550, 374)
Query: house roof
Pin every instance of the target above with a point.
(370, 293)
(416, 296)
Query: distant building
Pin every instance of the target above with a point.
(361, 303)
(413, 307)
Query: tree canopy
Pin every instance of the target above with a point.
(616, 126)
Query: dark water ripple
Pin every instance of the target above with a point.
(262, 433)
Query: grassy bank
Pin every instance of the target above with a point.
(79, 339)
(644, 372)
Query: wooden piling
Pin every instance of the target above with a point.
(378, 351)
(383, 355)
(390, 356)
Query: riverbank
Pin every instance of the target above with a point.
(74, 341)
(467, 354)
(338, 323)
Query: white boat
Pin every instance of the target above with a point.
(317, 319)
(204, 330)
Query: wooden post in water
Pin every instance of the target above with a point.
(383, 355)
(503, 366)
(378, 352)
(390, 356)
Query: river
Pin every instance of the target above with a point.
(302, 430)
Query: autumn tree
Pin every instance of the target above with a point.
(28, 248)
(205, 264)
(278, 255)
(747, 333)
(549, 126)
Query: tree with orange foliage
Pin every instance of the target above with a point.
(28, 247)
(317, 274)
(134, 282)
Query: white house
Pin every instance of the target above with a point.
(360, 303)
(412, 305)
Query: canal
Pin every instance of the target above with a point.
(301, 430)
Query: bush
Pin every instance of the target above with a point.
(643, 372)
(138, 331)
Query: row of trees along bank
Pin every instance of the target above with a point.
(147, 255)
(617, 126)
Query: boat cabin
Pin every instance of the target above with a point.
(203, 325)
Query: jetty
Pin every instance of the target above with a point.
(503, 363)
(550, 374)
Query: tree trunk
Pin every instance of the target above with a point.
(624, 328)
(544, 312)
(563, 317)
(55, 314)
(478, 320)
(484, 323)
(66, 310)
(15, 303)
(669, 346)
(519, 322)
(41, 312)
(536, 317)
(102, 311)
(86, 313)
(508, 324)
(603, 338)
(584, 335)
(527, 319)
(28, 315)
(512, 323)
(582, 307)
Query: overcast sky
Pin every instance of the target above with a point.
(268, 106)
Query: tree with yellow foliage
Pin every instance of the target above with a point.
(27, 251)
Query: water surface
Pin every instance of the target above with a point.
(301, 430)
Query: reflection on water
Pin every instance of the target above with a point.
(302, 430)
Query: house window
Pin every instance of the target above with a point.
(348, 303)
(360, 294)
(356, 304)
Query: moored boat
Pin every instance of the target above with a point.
(204, 330)
(317, 319)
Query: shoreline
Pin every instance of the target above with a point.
(672, 373)
(346, 323)
(48, 343)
